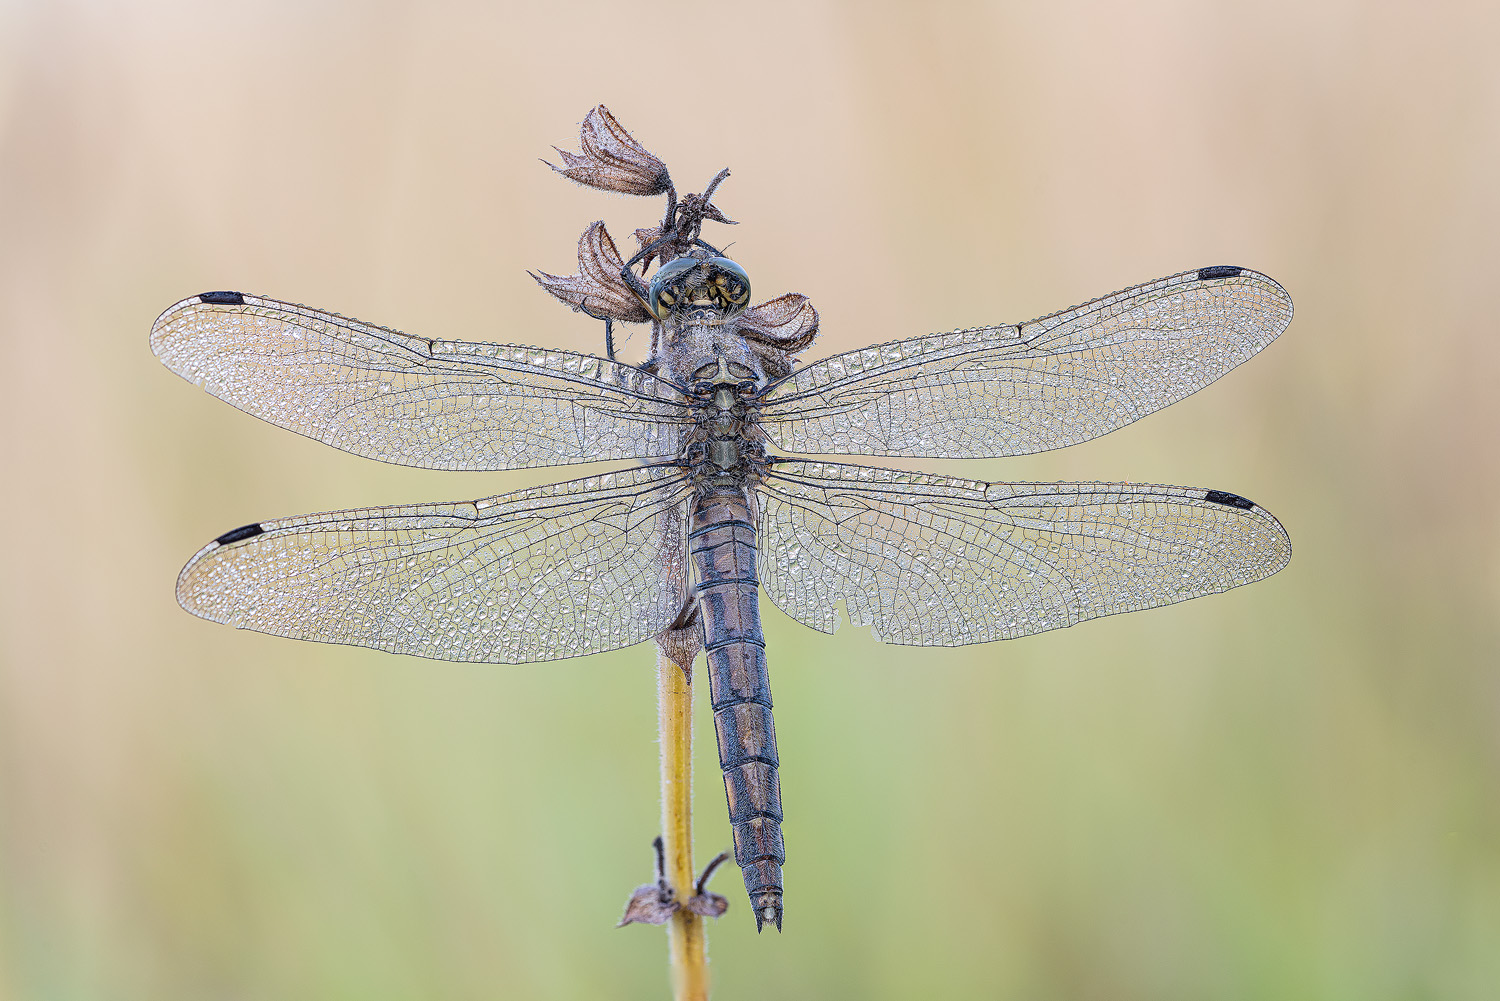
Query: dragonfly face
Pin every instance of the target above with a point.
(706, 520)
(694, 290)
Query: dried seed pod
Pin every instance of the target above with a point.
(682, 641)
(612, 160)
(788, 323)
(709, 905)
(597, 288)
(652, 903)
(647, 906)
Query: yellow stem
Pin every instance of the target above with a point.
(686, 942)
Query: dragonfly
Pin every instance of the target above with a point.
(726, 490)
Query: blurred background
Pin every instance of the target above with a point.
(1288, 791)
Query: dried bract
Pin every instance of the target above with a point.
(788, 323)
(709, 905)
(682, 641)
(597, 288)
(612, 160)
(650, 904)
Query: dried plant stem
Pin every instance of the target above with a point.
(686, 939)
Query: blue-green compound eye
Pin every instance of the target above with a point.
(670, 285)
(688, 280)
(729, 282)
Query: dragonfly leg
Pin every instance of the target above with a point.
(689, 614)
(609, 329)
(628, 275)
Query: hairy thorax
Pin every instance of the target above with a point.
(726, 375)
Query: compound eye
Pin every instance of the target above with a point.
(668, 284)
(730, 283)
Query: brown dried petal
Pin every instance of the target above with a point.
(788, 323)
(597, 288)
(646, 907)
(710, 905)
(612, 160)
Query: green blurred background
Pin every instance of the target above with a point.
(1288, 791)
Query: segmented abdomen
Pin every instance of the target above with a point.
(722, 542)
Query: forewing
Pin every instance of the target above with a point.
(936, 561)
(540, 574)
(1012, 390)
(438, 404)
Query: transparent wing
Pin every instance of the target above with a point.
(1011, 390)
(408, 400)
(936, 561)
(539, 574)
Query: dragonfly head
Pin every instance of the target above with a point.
(699, 290)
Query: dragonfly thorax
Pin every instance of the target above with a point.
(725, 449)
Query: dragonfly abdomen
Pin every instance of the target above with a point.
(723, 548)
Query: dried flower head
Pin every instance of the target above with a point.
(597, 288)
(612, 160)
(788, 323)
(777, 329)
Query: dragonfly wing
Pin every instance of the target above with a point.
(937, 561)
(540, 574)
(438, 404)
(1029, 387)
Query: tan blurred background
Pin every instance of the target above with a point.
(1289, 791)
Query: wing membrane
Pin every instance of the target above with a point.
(539, 574)
(1012, 390)
(936, 561)
(438, 404)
